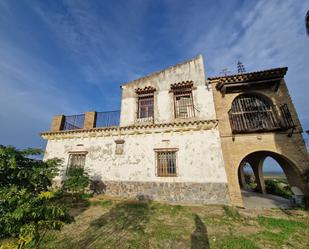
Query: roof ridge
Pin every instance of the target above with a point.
(248, 73)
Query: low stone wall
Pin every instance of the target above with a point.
(203, 193)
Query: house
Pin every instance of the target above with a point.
(180, 137)
(166, 145)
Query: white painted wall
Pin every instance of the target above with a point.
(199, 156)
(192, 70)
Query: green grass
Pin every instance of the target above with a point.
(277, 231)
(130, 224)
(237, 242)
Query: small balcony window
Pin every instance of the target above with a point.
(145, 108)
(184, 107)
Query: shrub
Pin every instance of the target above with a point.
(28, 207)
(273, 187)
(77, 180)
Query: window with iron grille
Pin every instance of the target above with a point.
(183, 102)
(166, 163)
(145, 107)
(76, 160)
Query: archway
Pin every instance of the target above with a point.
(257, 160)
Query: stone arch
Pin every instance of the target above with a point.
(289, 167)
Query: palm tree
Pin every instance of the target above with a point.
(307, 22)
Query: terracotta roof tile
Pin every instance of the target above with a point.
(147, 89)
(183, 84)
(251, 76)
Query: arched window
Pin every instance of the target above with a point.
(250, 113)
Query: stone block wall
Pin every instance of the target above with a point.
(188, 192)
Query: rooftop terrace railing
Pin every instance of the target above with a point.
(107, 119)
(73, 122)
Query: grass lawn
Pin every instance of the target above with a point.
(109, 223)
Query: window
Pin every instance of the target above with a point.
(76, 160)
(119, 147)
(166, 163)
(145, 107)
(184, 107)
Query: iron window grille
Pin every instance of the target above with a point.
(183, 104)
(76, 160)
(145, 108)
(166, 163)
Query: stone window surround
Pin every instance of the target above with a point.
(119, 150)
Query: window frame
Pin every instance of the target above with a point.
(158, 169)
(190, 110)
(76, 153)
(145, 97)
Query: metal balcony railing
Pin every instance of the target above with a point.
(107, 119)
(73, 122)
(275, 118)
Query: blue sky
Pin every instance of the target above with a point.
(71, 56)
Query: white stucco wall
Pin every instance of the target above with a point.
(192, 70)
(199, 155)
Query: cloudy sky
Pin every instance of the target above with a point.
(71, 56)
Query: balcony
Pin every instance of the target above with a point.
(88, 120)
(260, 119)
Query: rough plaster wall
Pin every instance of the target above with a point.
(192, 70)
(199, 158)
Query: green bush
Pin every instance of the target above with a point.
(28, 206)
(76, 181)
(273, 187)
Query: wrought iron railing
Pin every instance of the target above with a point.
(261, 120)
(73, 122)
(287, 120)
(107, 119)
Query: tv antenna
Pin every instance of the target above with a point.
(240, 67)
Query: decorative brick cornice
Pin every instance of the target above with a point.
(136, 129)
(145, 90)
(181, 85)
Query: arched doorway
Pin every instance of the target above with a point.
(257, 161)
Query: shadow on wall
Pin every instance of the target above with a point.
(199, 237)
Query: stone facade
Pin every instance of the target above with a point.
(179, 192)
